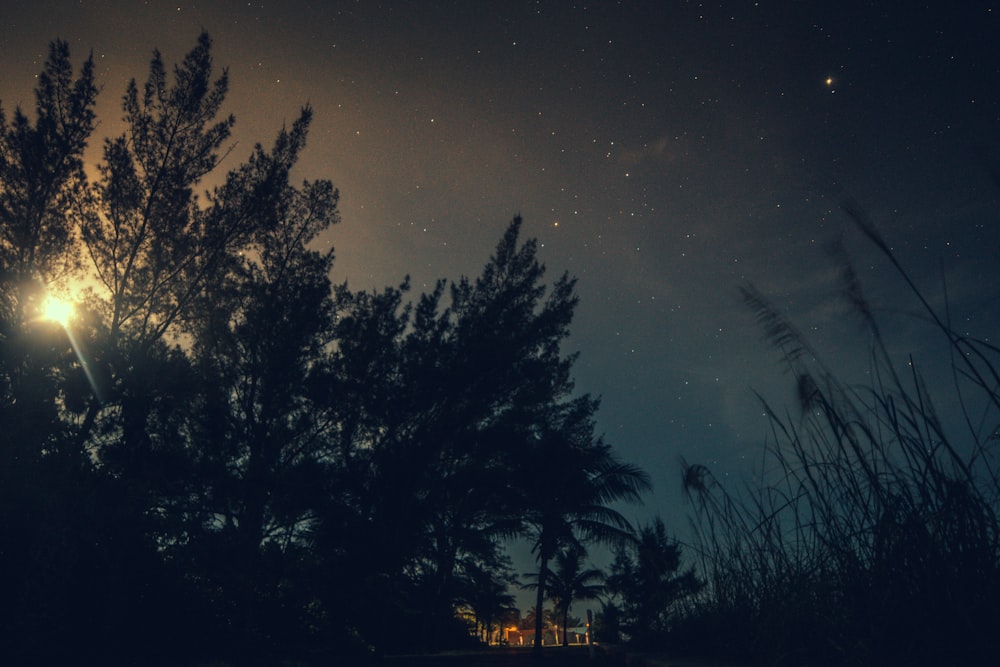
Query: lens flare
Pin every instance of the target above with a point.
(63, 312)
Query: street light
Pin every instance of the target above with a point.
(57, 310)
(62, 312)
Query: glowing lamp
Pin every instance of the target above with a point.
(57, 310)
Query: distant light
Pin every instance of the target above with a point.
(829, 81)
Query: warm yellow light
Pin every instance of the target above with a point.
(56, 310)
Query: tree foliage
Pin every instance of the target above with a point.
(220, 444)
(569, 582)
(648, 584)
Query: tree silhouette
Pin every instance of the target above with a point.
(41, 176)
(262, 424)
(43, 526)
(569, 582)
(487, 594)
(570, 483)
(153, 244)
(153, 248)
(647, 579)
(547, 619)
(510, 327)
(83, 570)
(221, 445)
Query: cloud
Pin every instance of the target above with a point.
(655, 150)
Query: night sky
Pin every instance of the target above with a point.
(665, 153)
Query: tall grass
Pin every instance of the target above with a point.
(873, 535)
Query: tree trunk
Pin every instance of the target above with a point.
(565, 620)
(543, 566)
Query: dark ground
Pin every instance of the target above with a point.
(571, 656)
(557, 656)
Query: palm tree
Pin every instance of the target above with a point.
(571, 479)
(487, 594)
(569, 582)
(545, 620)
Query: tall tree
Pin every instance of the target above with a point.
(158, 254)
(262, 426)
(153, 243)
(511, 326)
(438, 394)
(41, 178)
(44, 531)
(373, 520)
(571, 480)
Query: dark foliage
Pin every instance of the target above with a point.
(876, 538)
(648, 587)
(570, 581)
(221, 456)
